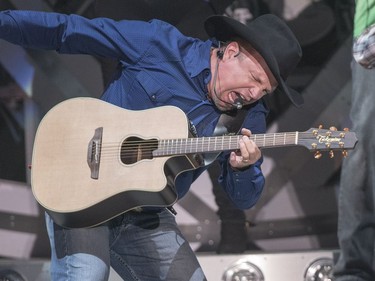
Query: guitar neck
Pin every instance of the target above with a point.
(222, 143)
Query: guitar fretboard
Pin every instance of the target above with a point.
(221, 143)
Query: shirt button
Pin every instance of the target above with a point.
(153, 97)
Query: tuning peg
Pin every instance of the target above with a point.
(320, 126)
(317, 155)
(331, 154)
(333, 128)
(345, 153)
(342, 135)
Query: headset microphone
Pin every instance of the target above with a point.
(238, 103)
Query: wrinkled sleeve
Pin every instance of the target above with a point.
(74, 34)
(245, 187)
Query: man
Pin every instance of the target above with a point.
(160, 66)
(356, 205)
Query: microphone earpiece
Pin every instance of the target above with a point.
(220, 54)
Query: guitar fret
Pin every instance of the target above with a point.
(265, 139)
(161, 147)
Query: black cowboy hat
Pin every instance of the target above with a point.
(271, 37)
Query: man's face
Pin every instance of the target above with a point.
(241, 73)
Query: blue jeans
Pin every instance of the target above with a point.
(356, 221)
(138, 245)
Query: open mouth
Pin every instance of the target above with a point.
(233, 96)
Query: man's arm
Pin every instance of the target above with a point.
(74, 34)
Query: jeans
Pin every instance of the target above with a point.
(356, 221)
(138, 245)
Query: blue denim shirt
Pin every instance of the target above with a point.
(159, 66)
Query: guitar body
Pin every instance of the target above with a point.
(63, 181)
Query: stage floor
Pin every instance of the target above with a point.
(283, 266)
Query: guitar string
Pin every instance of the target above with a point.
(194, 141)
(225, 138)
(171, 145)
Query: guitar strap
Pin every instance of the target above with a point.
(229, 123)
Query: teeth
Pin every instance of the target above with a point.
(233, 96)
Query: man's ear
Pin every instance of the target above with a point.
(232, 49)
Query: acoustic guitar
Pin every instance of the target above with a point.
(93, 160)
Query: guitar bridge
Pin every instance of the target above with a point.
(93, 153)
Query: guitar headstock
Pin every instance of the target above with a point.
(318, 139)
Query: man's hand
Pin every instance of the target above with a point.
(248, 153)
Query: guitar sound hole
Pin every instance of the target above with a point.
(135, 149)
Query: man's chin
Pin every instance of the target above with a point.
(224, 108)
